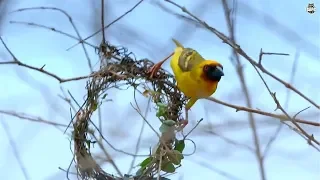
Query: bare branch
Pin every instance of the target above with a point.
(256, 111)
(231, 27)
(140, 135)
(31, 118)
(52, 29)
(102, 22)
(120, 17)
(227, 175)
(40, 69)
(15, 149)
(107, 155)
(230, 141)
(71, 22)
(185, 136)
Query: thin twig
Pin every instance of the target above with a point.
(71, 22)
(152, 128)
(103, 41)
(15, 61)
(256, 111)
(31, 118)
(73, 173)
(140, 135)
(120, 17)
(210, 166)
(229, 141)
(160, 164)
(15, 149)
(102, 22)
(185, 136)
(107, 155)
(52, 29)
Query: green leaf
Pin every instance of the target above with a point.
(175, 157)
(169, 122)
(179, 145)
(161, 105)
(164, 128)
(179, 155)
(145, 162)
(169, 168)
(162, 110)
(158, 114)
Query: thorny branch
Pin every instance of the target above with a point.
(273, 95)
(277, 131)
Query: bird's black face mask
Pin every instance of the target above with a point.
(213, 72)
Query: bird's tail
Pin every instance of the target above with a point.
(178, 44)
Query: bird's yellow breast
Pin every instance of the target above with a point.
(195, 87)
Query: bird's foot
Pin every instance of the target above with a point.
(183, 122)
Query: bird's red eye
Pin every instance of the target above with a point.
(206, 67)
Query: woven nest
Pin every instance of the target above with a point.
(119, 69)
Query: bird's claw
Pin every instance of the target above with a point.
(184, 123)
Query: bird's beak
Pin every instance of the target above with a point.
(219, 71)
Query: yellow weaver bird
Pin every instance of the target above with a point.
(196, 77)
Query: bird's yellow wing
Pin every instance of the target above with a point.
(184, 59)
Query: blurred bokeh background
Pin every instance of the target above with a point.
(224, 138)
